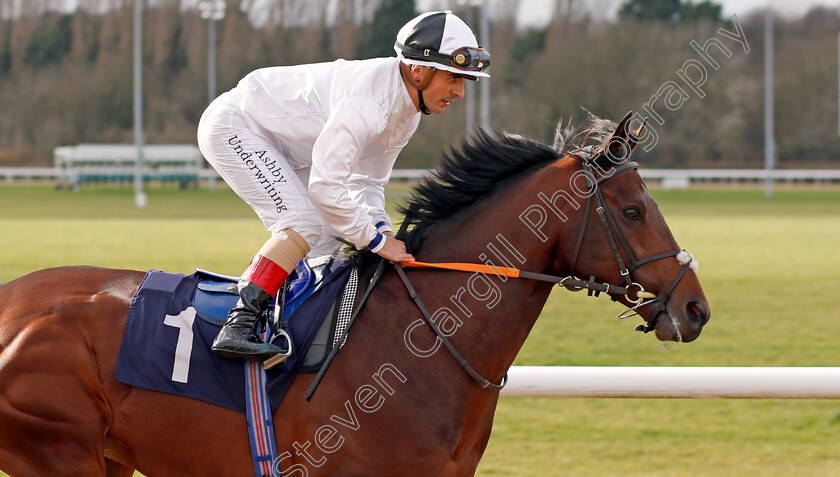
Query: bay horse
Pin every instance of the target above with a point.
(394, 401)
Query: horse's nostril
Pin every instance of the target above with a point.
(697, 312)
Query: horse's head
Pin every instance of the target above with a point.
(623, 240)
(610, 227)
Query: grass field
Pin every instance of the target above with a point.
(770, 269)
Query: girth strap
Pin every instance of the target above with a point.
(260, 421)
(483, 382)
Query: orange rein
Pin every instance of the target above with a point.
(570, 283)
(466, 267)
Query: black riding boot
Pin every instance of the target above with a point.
(238, 338)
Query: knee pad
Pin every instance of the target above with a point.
(285, 248)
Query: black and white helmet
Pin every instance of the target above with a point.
(442, 40)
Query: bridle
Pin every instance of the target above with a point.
(657, 303)
(611, 230)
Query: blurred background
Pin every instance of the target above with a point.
(769, 268)
(66, 70)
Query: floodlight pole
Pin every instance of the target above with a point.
(485, 82)
(140, 199)
(211, 61)
(769, 139)
(212, 11)
(469, 86)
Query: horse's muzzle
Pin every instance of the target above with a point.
(679, 323)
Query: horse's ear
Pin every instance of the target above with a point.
(634, 137)
(621, 138)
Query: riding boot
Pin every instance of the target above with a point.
(238, 338)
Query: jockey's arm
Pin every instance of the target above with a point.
(335, 155)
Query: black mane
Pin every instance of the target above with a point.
(482, 165)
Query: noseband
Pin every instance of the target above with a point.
(657, 303)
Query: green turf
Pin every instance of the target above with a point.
(770, 270)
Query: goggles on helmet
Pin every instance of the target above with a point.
(467, 58)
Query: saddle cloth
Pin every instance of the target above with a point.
(173, 319)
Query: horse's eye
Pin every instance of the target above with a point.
(633, 213)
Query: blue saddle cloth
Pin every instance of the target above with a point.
(166, 342)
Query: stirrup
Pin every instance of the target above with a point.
(279, 357)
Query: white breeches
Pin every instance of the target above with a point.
(261, 176)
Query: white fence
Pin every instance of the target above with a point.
(685, 177)
(29, 173)
(682, 178)
(116, 163)
(669, 178)
(679, 382)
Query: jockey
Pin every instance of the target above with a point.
(310, 148)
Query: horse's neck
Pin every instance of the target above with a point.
(497, 312)
(487, 318)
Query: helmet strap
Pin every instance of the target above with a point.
(422, 104)
(419, 85)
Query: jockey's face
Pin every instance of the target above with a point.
(442, 90)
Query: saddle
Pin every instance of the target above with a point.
(173, 319)
(216, 294)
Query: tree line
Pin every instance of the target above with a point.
(66, 78)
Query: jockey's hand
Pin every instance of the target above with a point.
(394, 249)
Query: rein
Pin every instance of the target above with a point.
(483, 382)
(611, 230)
(571, 282)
